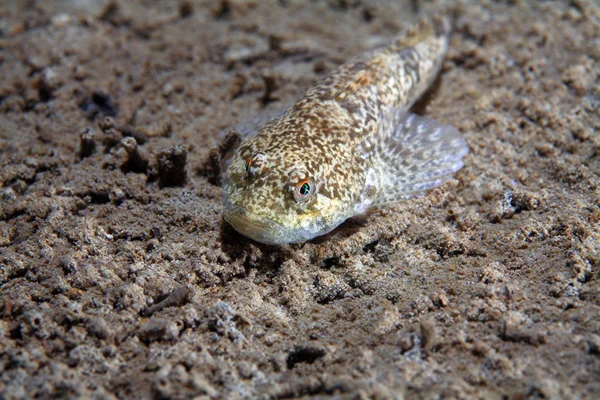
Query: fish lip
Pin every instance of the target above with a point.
(256, 227)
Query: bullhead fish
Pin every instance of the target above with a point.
(347, 145)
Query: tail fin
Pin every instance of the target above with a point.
(419, 54)
(424, 29)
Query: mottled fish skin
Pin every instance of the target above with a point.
(348, 144)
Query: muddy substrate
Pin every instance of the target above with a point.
(120, 280)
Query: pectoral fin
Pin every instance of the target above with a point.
(248, 128)
(416, 153)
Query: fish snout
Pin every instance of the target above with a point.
(256, 227)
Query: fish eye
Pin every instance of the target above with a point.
(249, 164)
(255, 164)
(303, 190)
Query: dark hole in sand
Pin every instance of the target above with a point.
(304, 354)
(99, 103)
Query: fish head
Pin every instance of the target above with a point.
(277, 197)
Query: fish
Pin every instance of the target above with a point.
(347, 146)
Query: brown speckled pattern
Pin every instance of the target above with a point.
(338, 134)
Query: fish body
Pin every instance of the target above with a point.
(347, 145)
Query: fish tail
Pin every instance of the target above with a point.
(418, 55)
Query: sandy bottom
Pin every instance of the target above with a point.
(120, 280)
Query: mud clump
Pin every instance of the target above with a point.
(171, 166)
(87, 144)
(137, 159)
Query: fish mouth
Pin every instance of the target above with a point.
(256, 227)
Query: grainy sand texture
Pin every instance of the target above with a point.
(119, 279)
